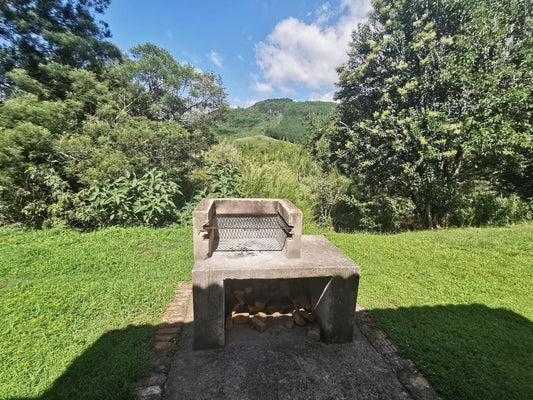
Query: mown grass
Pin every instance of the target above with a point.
(83, 307)
(458, 302)
(77, 311)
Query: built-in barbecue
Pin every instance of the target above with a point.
(252, 263)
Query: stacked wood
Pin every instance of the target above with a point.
(301, 301)
(281, 300)
(298, 319)
(240, 318)
(239, 295)
(290, 323)
(306, 315)
(258, 323)
(260, 304)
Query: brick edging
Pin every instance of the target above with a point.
(417, 385)
(152, 386)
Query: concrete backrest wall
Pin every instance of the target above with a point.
(294, 217)
(245, 206)
(207, 208)
(201, 216)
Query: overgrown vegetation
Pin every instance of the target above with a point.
(81, 130)
(433, 126)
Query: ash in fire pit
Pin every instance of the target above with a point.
(245, 247)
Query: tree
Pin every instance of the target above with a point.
(35, 32)
(164, 89)
(429, 90)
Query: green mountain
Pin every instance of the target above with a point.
(277, 118)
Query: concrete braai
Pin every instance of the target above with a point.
(255, 247)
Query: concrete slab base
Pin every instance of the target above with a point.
(281, 363)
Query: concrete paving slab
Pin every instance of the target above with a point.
(280, 363)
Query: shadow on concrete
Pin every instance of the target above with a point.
(466, 351)
(108, 369)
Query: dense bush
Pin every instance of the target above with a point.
(434, 96)
(221, 176)
(72, 144)
(380, 214)
(483, 206)
(279, 169)
(434, 99)
(152, 200)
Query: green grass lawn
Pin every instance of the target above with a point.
(78, 311)
(458, 302)
(83, 308)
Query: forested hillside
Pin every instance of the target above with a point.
(278, 118)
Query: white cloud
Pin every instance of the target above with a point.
(287, 90)
(241, 58)
(263, 88)
(328, 96)
(309, 53)
(324, 13)
(215, 58)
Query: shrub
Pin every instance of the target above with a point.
(151, 200)
(30, 202)
(382, 214)
(485, 206)
(221, 177)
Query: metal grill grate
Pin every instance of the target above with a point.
(249, 232)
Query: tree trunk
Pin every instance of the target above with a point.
(428, 217)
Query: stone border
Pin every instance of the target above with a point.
(416, 384)
(151, 387)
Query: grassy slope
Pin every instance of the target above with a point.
(81, 307)
(84, 307)
(277, 169)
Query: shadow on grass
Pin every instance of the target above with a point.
(108, 369)
(467, 351)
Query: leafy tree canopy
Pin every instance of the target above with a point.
(34, 32)
(173, 91)
(431, 91)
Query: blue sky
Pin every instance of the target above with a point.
(261, 49)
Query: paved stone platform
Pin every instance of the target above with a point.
(283, 363)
